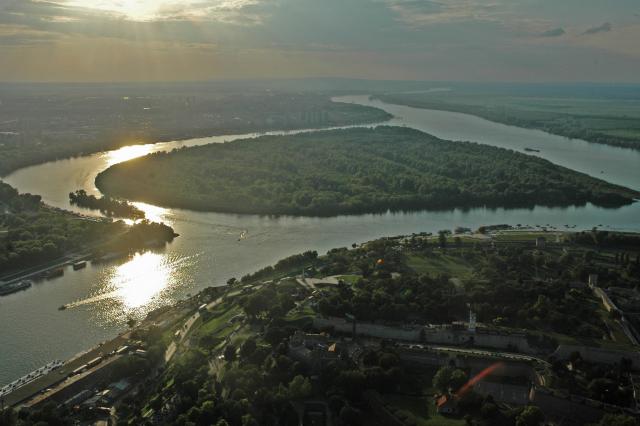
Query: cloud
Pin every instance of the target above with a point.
(604, 28)
(556, 32)
(440, 39)
(420, 12)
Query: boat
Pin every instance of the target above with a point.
(14, 287)
(109, 257)
(531, 150)
(79, 265)
(62, 307)
(55, 273)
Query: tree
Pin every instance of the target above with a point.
(442, 238)
(442, 379)
(8, 417)
(530, 416)
(231, 281)
(256, 304)
(248, 347)
(617, 420)
(350, 416)
(248, 420)
(131, 322)
(299, 388)
(230, 352)
(458, 379)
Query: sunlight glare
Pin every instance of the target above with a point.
(127, 153)
(141, 279)
(139, 10)
(155, 213)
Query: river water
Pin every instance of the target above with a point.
(214, 247)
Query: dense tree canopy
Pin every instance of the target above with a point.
(351, 171)
(32, 233)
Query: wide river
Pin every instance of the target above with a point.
(214, 247)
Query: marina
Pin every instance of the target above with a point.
(29, 378)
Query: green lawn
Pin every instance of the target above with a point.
(526, 236)
(349, 279)
(435, 264)
(423, 410)
(223, 314)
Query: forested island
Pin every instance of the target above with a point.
(352, 171)
(32, 233)
(608, 119)
(107, 205)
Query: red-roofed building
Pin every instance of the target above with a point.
(446, 404)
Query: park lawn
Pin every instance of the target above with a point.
(423, 410)
(526, 236)
(296, 315)
(349, 279)
(453, 266)
(218, 321)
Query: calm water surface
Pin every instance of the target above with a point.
(210, 250)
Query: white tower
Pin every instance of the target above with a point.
(472, 321)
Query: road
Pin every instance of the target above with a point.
(60, 374)
(508, 356)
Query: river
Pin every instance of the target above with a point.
(214, 247)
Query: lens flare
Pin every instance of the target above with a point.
(478, 377)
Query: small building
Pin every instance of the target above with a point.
(446, 404)
(541, 242)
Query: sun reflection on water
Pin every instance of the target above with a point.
(141, 279)
(127, 153)
(155, 213)
(142, 283)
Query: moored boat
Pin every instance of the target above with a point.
(79, 265)
(7, 289)
(55, 273)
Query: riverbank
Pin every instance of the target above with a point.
(598, 120)
(403, 303)
(208, 252)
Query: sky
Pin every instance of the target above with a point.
(446, 40)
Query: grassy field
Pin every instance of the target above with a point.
(350, 279)
(526, 235)
(222, 315)
(423, 410)
(453, 266)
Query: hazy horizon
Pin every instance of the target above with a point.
(520, 41)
